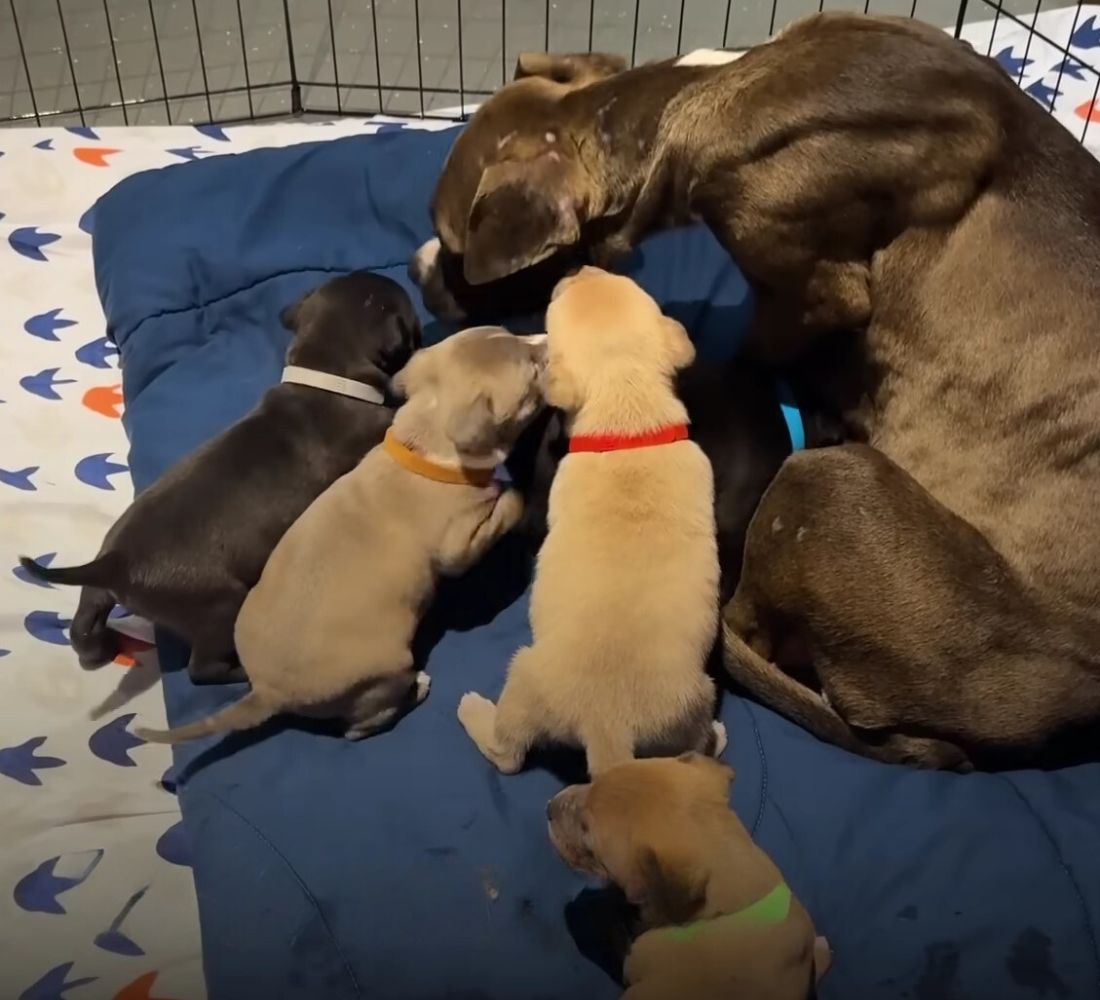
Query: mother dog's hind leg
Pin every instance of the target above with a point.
(917, 641)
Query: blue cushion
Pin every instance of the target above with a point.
(405, 866)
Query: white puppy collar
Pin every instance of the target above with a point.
(332, 383)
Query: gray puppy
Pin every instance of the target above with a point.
(187, 550)
(327, 632)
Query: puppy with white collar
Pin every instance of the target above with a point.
(328, 630)
(624, 608)
(186, 552)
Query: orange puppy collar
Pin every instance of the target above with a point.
(624, 442)
(456, 475)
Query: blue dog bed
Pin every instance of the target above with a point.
(404, 867)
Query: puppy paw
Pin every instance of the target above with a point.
(423, 686)
(476, 713)
(478, 717)
(721, 739)
(509, 508)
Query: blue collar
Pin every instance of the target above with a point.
(792, 415)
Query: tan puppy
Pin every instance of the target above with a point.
(327, 630)
(720, 922)
(624, 607)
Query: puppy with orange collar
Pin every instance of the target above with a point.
(719, 920)
(624, 607)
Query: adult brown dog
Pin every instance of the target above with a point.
(928, 593)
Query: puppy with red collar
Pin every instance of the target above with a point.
(624, 608)
(718, 920)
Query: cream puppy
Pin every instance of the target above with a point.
(624, 608)
(327, 631)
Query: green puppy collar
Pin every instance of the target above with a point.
(771, 909)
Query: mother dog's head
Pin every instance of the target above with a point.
(508, 199)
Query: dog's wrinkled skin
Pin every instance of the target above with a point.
(189, 548)
(624, 606)
(927, 594)
(663, 831)
(327, 631)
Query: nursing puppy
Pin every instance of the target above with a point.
(327, 631)
(718, 920)
(188, 549)
(743, 417)
(624, 607)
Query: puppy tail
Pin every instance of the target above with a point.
(100, 572)
(247, 713)
(774, 688)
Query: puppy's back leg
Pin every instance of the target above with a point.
(605, 746)
(379, 704)
(94, 642)
(504, 732)
(213, 658)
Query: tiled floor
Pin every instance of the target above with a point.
(153, 61)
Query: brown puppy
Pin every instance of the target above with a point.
(719, 920)
(327, 631)
(929, 594)
(624, 607)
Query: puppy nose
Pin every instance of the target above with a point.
(553, 808)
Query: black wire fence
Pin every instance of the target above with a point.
(157, 62)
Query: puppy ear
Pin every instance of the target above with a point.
(582, 66)
(401, 337)
(470, 426)
(558, 389)
(415, 376)
(681, 349)
(668, 891)
(722, 772)
(290, 315)
(521, 214)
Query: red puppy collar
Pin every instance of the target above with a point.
(623, 442)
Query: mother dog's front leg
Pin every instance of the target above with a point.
(881, 621)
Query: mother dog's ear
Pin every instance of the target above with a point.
(579, 68)
(522, 213)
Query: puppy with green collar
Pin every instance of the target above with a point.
(719, 920)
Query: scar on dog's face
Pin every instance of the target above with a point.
(645, 826)
(485, 384)
(604, 327)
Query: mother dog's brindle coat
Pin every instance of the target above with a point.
(929, 593)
